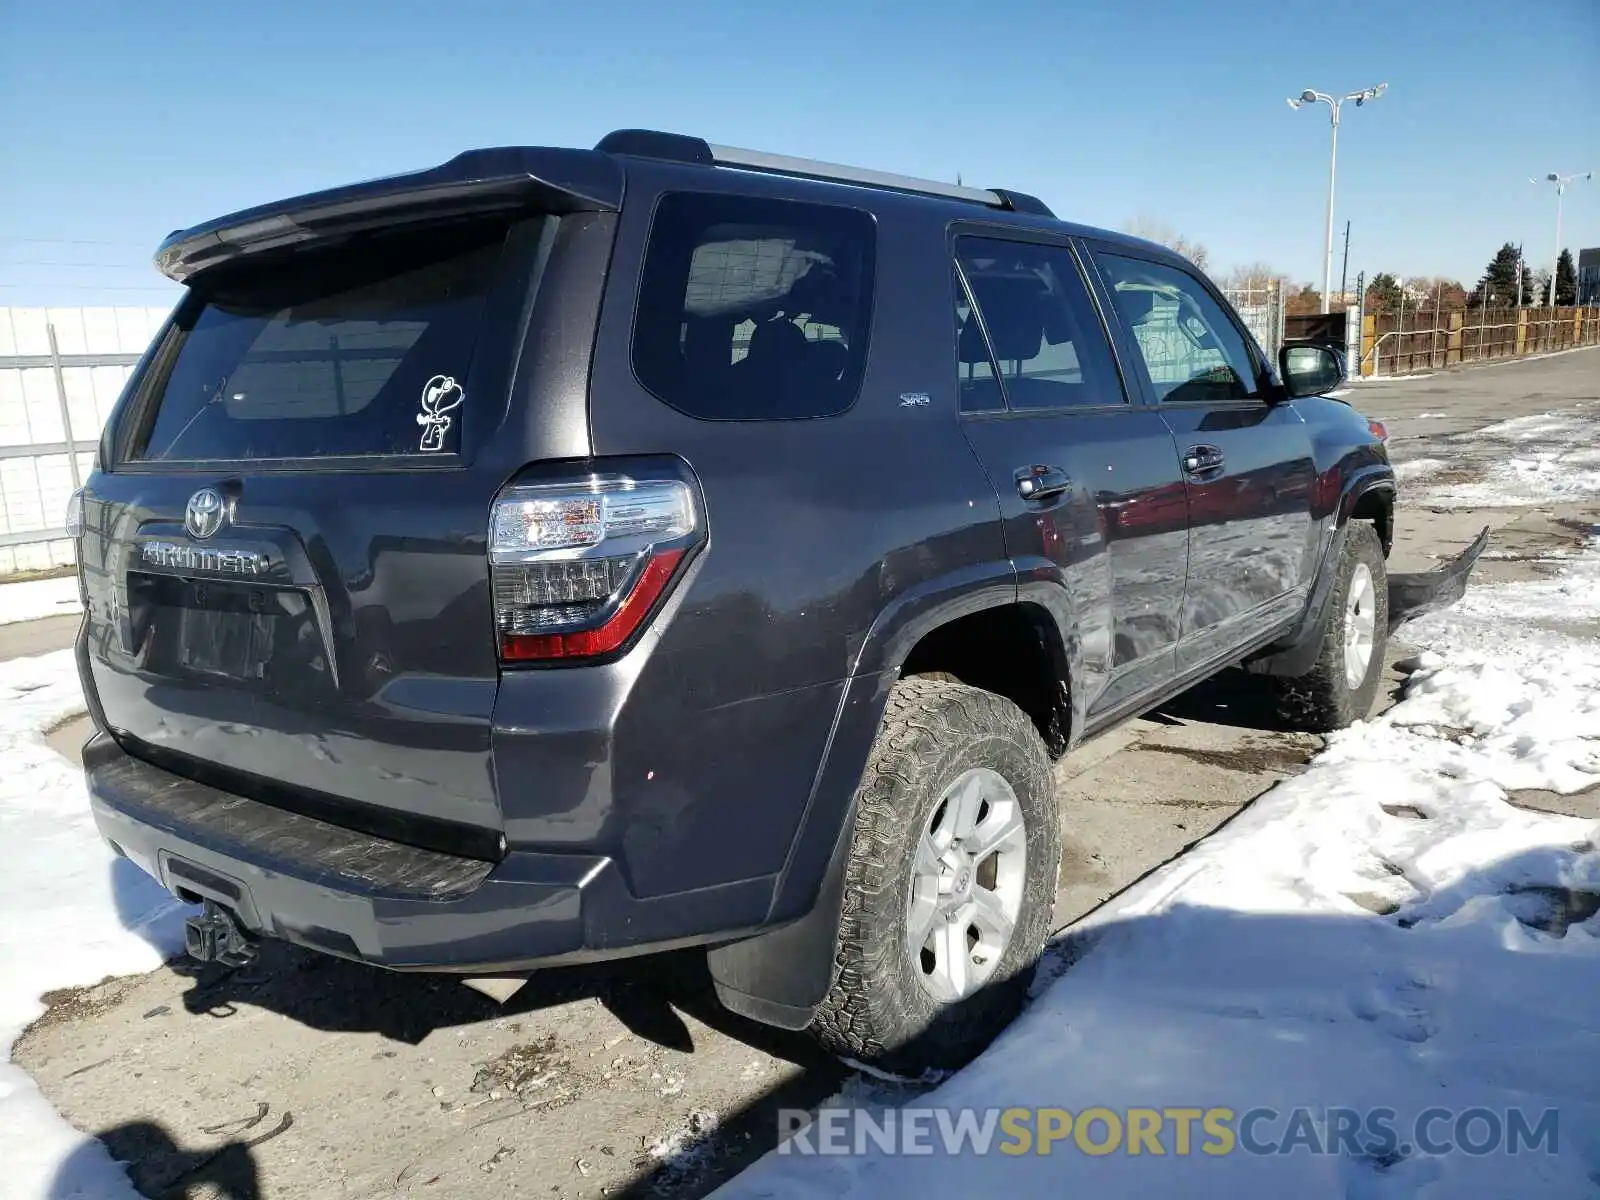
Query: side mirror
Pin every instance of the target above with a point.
(1310, 370)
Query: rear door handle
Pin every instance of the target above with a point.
(1203, 460)
(1038, 482)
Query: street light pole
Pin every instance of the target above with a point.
(1561, 182)
(1310, 97)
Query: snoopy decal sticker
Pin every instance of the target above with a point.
(440, 395)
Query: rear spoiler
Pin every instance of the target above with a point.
(474, 183)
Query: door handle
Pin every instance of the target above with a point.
(1038, 482)
(1203, 460)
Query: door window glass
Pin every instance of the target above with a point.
(1044, 334)
(1188, 346)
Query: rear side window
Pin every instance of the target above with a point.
(356, 351)
(1045, 340)
(753, 309)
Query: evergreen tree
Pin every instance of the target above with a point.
(1383, 293)
(1566, 279)
(1500, 280)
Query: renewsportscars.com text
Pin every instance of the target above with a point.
(1359, 1133)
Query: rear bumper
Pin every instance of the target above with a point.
(346, 893)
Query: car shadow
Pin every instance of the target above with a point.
(146, 908)
(1235, 698)
(648, 995)
(161, 1170)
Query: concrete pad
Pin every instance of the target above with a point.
(23, 639)
(67, 739)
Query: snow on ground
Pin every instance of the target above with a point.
(1393, 378)
(1537, 460)
(69, 914)
(1415, 468)
(1383, 932)
(35, 598)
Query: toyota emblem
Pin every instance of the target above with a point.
(205, 513)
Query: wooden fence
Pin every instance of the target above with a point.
(1425, 340)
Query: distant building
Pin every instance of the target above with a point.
(1589, 276)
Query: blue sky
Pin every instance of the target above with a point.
(120, 122)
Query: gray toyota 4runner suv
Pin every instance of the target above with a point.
(566, 554)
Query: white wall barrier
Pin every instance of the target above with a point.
(61, 370)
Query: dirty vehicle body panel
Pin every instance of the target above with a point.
(306, 716)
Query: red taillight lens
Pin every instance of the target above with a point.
(1378, 430)
(603, 639)
(577, 568)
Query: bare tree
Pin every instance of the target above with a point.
(1154, 230)
(1303, 300)
(1255, 277)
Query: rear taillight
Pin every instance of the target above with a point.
(1378, 430)
(577, 568)
(75, 514)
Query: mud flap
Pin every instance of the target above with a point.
(1411, 595)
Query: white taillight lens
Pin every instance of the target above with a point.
(531, 519)
(576, 568)
(75, 514)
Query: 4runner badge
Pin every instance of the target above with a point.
(439, 395)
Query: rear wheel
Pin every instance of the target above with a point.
(950, 883)
(1341, 687)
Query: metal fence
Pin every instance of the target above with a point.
(1173, 356)
(1404, 343)
(61, 370)
(1261, 308)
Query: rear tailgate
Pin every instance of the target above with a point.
(285, 562)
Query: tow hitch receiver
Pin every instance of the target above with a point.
(214, 936)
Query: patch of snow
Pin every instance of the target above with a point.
(71, 913)
(1536, 425)
(1429, 416)
(1547, 458)
(1417, 467)
(687, 1148)
(36, 598)
(1493, 614)
(1394, 378)
(1256, 970)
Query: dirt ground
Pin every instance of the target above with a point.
(303, 1076)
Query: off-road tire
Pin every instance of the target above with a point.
(877, 1010)
(1322, 699)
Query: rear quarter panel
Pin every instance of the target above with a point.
(816, 529)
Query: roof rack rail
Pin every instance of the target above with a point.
(678, 147)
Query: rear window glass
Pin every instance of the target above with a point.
(358, 351)
(753, 309)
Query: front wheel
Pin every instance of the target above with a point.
(951, 879)
(1342, 685)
